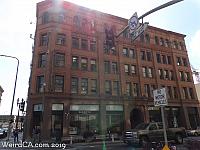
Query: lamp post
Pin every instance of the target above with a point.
(20, 108)
(13, 91)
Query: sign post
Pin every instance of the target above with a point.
(160, 99)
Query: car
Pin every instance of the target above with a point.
(153, 132)
(3, 133)
(194, 132)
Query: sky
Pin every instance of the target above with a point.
(15, 30)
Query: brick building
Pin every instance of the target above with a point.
(91, 81)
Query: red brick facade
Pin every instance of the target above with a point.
(88, 72)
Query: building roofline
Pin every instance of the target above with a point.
(114, 17)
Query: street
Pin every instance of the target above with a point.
(108, 145)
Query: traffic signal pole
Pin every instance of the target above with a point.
(152, 11)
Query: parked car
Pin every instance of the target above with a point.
(3, 133)
(195, 132)
(152, 132)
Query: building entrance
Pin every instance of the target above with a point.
(136, 117)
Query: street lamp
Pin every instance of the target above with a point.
(20, 108)
(13, 91)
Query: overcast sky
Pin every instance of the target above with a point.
(15, 29)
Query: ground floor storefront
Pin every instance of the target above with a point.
(59, 120)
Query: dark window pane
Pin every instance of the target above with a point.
(108, 90)
(116, 88)
(84, 86)
(61, 39)
(93, 86)
(75, 42)
(59, 60)
(75, 62)
(59, 83)
(106, 66)
(42, 60)
(44, 40)
(84, 44)
(74, 85)
(40, 84)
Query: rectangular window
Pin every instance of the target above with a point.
(59, 83)
(74, 85)
(93, 65)
(158, 58)
(164, 60)
(191, 93)
(178, 61)
(162, 43)
(171, 75)
(61, 39)
(150, 72)
(169, 61)
(147, 38)
(149, 56)
(182, 46)
(166, 74)
(106, 49)
(135, 89)
(93, 86)
(75, 63)
(106, 66)
(113, 51)
(114, 68)
(84, 64)
(187, 76)
(147, 90)
(185, 93)
(132, 53)
(93, 45)
(133, 69)
(156, 40)
(128, 89)
(181, 75)
(108, 90)
(59, 60)
(75, 42)
(45, 18)
(126, 69)
(185, 63)
(144, 72)
(152, 88)
(175, 45)
(125, 52)
(175, 92)
(116, 88)
(84, 44)
(169, 91)
(42, 60)
(84, 86)
(142, 55)
(160, 72)
(40, 84)
(44, 40)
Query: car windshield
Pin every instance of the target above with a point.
(141, 126)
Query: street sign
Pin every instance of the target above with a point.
(138, 31)
(160, 97)
(133, 23)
